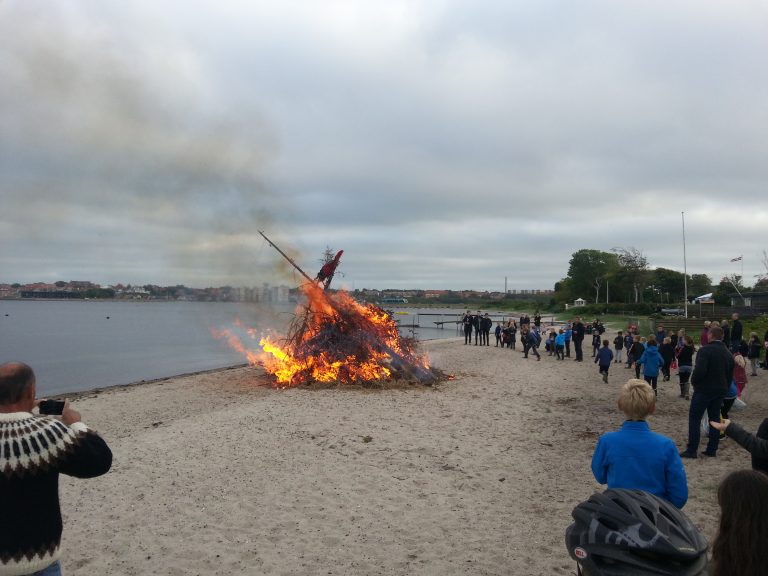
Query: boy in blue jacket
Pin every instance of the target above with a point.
(636, 458)
(603, 359)
(651, 361)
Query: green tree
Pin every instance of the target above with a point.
(588, 270)
(698, 285)
(632, 270)
(669, 284)
(60, 284)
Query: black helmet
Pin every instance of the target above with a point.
(626, 532)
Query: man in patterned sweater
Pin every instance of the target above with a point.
(34, 450)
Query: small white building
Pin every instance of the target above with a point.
(579, 302)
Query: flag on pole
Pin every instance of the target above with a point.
(736, 259)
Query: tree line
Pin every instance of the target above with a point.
(625, 275)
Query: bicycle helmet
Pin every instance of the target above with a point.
(631, 532)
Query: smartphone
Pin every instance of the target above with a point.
(51, 407)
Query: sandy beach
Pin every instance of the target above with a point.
(218, 473)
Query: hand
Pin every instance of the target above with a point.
(68, 415)
(720, 425)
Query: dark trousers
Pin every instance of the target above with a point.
(467, 334)
(486, 336)
(652, 380)
(703, 402)
(567, 348)
(529, 347)
(577, 349)
(478, 335)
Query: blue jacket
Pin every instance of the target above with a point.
(560, 340)
(651, 361)
(635, 457)
(604, 356)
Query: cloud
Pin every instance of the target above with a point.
(441, 144)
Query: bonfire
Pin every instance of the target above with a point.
(335, 339)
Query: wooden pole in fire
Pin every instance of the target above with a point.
(284, 255)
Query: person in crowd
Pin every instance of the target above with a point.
(560, 344)
(637, 458)
(667, 352)
(35, 450)
(755, 444)
(497, 332)
(485, 329)
(730, 398)
(603, 359)
(537, 320)
(550, 342)
(679, 340)
(512, 334)
(704, 336)
(739, 549)
(466, 322)
(739, 373)
(618, 346)
(530, 343)
(660, 334)
(726, 333)
(577, 335)
(711, 378)
(753, 353)
(476, 326)
(685, 366)
(737, 330)
(596, 342)
(635, 352)
(568, 338)
(629, 340)
(765, 345)
(651, 361)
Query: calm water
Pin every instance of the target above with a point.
(80, 345)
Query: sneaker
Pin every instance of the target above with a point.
(708, 454)
(686, 454)
(605, 378)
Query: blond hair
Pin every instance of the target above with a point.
(637, 399)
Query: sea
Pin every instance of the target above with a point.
(80, 345)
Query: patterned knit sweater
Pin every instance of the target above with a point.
(33, 451)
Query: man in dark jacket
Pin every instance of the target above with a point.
(36, 449)
(736, 332)
(712, 375)
(577, 335)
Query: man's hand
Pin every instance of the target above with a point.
(720, 425)
(68, 415)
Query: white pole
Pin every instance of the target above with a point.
(685, 269)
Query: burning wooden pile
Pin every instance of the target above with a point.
(335, 339)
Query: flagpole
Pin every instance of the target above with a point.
(685, 269)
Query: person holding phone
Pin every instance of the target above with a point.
(35, 450)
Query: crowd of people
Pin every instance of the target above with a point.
(645, 475)
(643, 470)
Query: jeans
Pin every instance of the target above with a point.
(52, 570)
(702, 402)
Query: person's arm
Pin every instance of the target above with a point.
(599, 466)
(89, 455)
(758, 447)
(676, 481)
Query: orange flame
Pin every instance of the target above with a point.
(334, 339)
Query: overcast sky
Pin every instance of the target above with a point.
(441, 144)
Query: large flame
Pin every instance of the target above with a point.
(334, 339)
